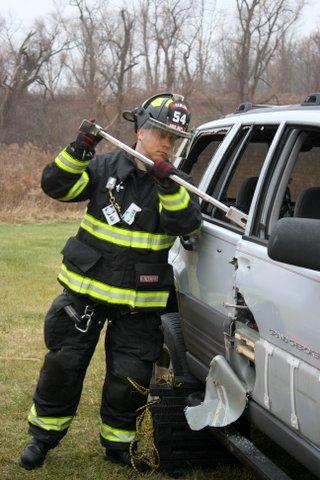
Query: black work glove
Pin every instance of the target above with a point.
(160, 171)
(84, 146)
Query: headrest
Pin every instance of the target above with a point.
(308, 203)
(245, 194)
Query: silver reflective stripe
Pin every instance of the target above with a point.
(126, 238)
(77, 188)
(69, 164)
(176, 201)
(48, 423)
(79, 167)
(116, 434)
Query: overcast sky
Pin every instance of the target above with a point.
(27, 10)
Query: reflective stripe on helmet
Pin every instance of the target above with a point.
(48, 423)
(116, 434)
(157, 102)
(66, 162)
(126, 238)
(77, 188)
(175, 201)
(108, 293)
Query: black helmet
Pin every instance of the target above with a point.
(166, 111)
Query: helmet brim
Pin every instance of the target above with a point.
(153, 123)
(128, 115)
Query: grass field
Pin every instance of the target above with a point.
(29, 262)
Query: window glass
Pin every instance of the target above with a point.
(235, 182)
(201, 153)
(297, 179)
(306, 172)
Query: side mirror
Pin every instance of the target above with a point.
(296, 241)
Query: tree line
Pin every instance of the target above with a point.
(99, 60)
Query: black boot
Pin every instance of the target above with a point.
(122, 457)
(34, 454)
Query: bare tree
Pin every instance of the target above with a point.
(281, 71)
(102, 57)
(119, 57)
(24, 65)
(82, 61)
(197, 46)
(149, 48)
(308, 62)
(261, 24)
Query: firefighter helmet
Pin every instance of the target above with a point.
(165, 111)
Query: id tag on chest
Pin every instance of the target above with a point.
(111, 214)
(130, 213)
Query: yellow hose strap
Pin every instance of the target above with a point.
(108, 293)
(142, 390)
(142, 448)
(68, 163)
(48, 423)
(175, 201)
(77, 188)
(116, 434)
(126, 238)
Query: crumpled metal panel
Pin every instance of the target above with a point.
(224, 401)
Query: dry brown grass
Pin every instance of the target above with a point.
(21, 197)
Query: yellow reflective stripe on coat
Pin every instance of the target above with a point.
(116, 434)
(77, 188)
(66, 162)
(108, 293)
(126, 238)
(48, 423)
(175, 201)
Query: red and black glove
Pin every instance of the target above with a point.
(160, 171)
(85, 144)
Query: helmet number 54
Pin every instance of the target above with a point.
(178, 118)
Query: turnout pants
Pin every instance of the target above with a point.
(133, 343)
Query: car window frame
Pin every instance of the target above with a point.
(217, 172)
(199, 134)
(274, 180)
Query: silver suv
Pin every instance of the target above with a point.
(249, 298)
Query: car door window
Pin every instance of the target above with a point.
(235, 180)
(297, 189)
(202, 151)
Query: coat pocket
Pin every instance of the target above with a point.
(80, 254)
(153, 276)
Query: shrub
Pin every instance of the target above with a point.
(21, 197)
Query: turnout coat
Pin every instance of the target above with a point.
(122, 258)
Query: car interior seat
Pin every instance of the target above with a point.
(308, 203)
(245, 194)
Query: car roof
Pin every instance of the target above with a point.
(306, 112)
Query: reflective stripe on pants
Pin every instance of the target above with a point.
(117, 435)
(49, 423)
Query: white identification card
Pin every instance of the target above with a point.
(111, 214)
(130, 213)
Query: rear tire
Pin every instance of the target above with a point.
(174, 341)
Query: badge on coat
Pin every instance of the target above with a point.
(130, 214)
(111, 215)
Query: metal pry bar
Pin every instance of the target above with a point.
(232, 213)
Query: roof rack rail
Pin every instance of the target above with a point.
(244, 107)
(312, 99)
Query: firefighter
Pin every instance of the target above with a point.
(115, 270)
